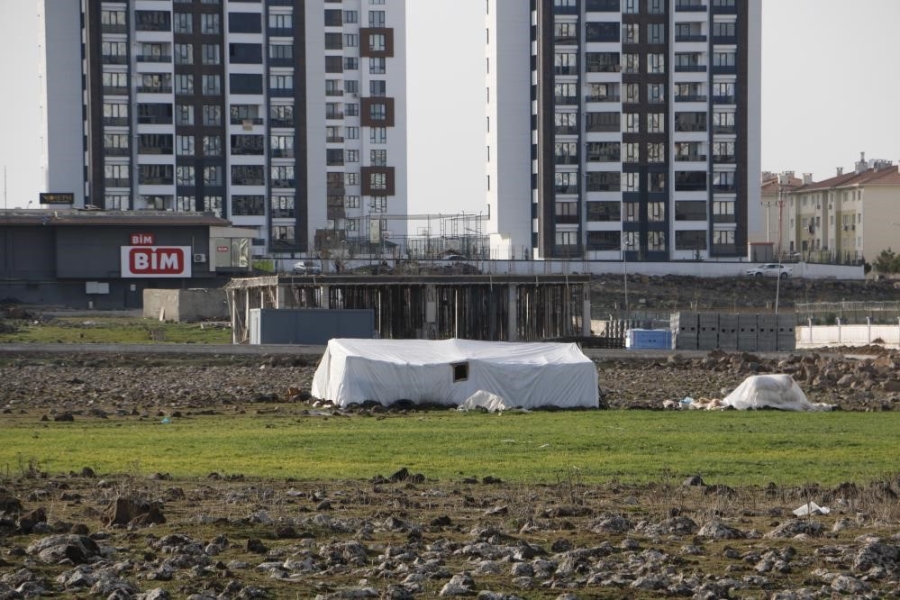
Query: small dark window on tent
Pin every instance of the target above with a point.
(460, 371)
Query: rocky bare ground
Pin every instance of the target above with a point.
(96, 535)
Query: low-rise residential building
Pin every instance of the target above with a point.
(774, 192)
(849, 218)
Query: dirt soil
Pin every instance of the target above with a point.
(402, 535)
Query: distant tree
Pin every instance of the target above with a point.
(887, 262)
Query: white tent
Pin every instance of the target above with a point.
(527, 375)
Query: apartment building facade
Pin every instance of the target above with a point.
(849, 218)
(623, 129)
(287, 116)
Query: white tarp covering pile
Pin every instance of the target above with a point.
(449, 372)
(770, 391)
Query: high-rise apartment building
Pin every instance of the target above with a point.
(288, 116)
(623, 129)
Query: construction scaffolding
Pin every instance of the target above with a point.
(477, 307)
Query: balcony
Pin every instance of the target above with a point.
(155, 120)
(247, 121)
(154, 58)
(154, 89)
(724, 129)
(729, 40)
(610, 98)
(116, 183)
(690, 7)
(724, 10)
(282, 153)
(115, 121)
(155, 150)
(281, 62)
(334, 139)
(690, 158)
(724, 69)
(334, 116)
(566, 160)
(570, 70)
(690, 68)
(114, 59)
(275, 122)
(724, 188)
(115, 90)
(565, 100)
(724, 159)
(567, 130)
(281, 93)
(116, 152)
(283, 183)
(723, 100)
(566, 189)
(691, 98)
(690, 38)
(567, 219)
(281, 32)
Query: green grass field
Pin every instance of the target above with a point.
(734, 448)
(114, 330)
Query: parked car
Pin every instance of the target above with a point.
(769, 270)
(307, 267)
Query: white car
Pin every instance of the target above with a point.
(307, 267)
(769, 270)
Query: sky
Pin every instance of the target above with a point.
(830, 90)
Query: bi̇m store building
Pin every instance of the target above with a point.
(105, 260)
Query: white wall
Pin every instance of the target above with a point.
(508, 115)
(62, 127)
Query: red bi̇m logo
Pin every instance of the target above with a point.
(156, 260)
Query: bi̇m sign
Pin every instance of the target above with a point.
(156, 261)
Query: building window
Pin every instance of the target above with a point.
(184, 145)
(184, 84)
(353, 133)
(377, 18)
(604, 211)
(377, 65)
(604, 152)
(115, 202)
(656, 33)
(656, 153)
(282, 206)
(247, 145)
(351, 40)
(378, 135)
(351, 16)
(656, 93)
(212, 85)
(632, 152)
(212, 54)
(351, 156)
(282, 176)
(212, 145)
(212, 175)
(378, 158)
(377, 88)
(630, 33)
(632, 63)
(376, 42)
(281, 115)
(282, 146)
(657, 182)
(209, 24)
(656, 123)
(690, 240)
(248, 205)
(183, 22)
(656, 63)
(351, 178)
(185, 203)
(184, 176)
(656, 212)
(351, 201)
(631, 182)
(281, 21)
(378, 204)
(656, 241)
(184, 54)
(604, 181)
(212, 115)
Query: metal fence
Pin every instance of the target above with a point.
(849, 312)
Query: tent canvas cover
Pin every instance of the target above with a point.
(527, 375)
